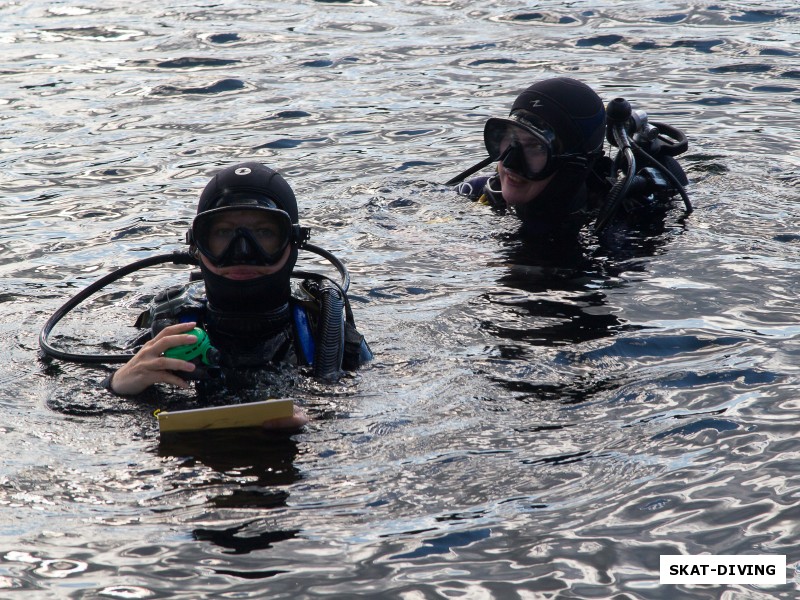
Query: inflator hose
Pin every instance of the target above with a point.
(330, 339)
(621, 187)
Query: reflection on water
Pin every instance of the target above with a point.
(266, 459)
(263, 463)
(540, 421)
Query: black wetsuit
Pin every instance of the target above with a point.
(543, 217)
(257, 352)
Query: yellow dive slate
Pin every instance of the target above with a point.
(252, 414)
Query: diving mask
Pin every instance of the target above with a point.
(242, 235)
(525, 148)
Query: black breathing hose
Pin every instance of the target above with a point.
(178, 258)
(669, 175)
(330, 344)
(621, 187)
(345, 275)
(630, 158)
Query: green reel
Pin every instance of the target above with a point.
(201, 353)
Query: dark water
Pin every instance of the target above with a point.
(533, 426)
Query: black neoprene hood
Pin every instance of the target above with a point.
(251, 181)
(248, 183)
(569, 108)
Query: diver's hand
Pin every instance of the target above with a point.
(296, 421)
(149, 366)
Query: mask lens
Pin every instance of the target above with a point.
(530, 152)
(236, 235)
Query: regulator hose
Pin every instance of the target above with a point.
(178, 258)
(621, 187)
(343, 272)
(330, 343)
(669, 175)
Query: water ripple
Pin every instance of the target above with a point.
(536, 423)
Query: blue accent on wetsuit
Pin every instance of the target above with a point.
(190, 316)
(305, 337)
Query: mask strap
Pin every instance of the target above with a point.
(300, 235)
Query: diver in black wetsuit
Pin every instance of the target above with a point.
(246, 236)
(551, 168)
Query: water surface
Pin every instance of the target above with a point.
(533, 426)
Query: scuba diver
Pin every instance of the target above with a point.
(245, 311)
(552, 170)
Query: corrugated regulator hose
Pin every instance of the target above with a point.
(330, 338)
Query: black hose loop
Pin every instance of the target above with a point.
(343, 272)
(672, 141)
(178, 258)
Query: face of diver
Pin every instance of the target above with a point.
(518, 190)
(523, 156)
(244, 272)
(262, 230)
